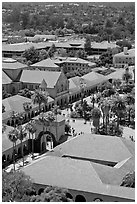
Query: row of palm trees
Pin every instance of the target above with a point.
(19, 132)
(114, 105)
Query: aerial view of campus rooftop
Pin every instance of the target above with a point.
(68, 101)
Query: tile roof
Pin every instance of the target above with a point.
(103, 45)
(98, 147)
(90, 79)
(6, 143)
(21, 47)
(12, 64)
(45, 63)
(118, 74)
(14, 103)
(94, 78)
(33, 76)
(5, 78)
(130, 53)
(73, 174)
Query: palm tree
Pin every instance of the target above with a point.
(127, 75)
(118, 108)
(56, 111)
(3, 127)
(96, 114)
(129, 99)
(129, 180)
(82, 88)
(14, 116)
(27, 107)
(13, 137)
(44, 120)
(39, 97)
(105, 107)
(3, 108)
(31, 127)
(51, 118)
(22, 134)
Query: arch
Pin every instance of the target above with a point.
(3, 158)
(25, 117)
(46, 133)
(19, 151)
(8, 157)
(98, 200)
(43, 149)
(29, 116)
(68, 195)
(80, 198)
(36, 113)
(8, 123)
(41, 190)
(25, 149)
(12, 123)
(32, 114)
(49, 106)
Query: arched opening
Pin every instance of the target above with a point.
(49, 145)
(25, 117)
(68, 195)
(25, 149)
(80, 198)
(49, 106)
(8, 123)
(98, 200)
(13, 90)
(36, 113)
(43, 147)
(12, 123)
(32, 114)
(19, 151)
(3, 158)
(45, 141)
(41, 190)
(8, 158)
(29, 115)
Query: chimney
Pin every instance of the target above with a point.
(125, 50)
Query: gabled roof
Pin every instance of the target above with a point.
(103, 45)
(118, 74)
(36, 77)
(43, 84)
(130, 53)
(75, 174)
(45, 63)
(94, 78)
(14, 103)
(6, 143)
(98, 147)
(5, 78)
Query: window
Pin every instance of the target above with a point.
(61, 87)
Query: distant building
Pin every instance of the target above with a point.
(66, 64)
(127, 57)
(90, 81)
(9, 50)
